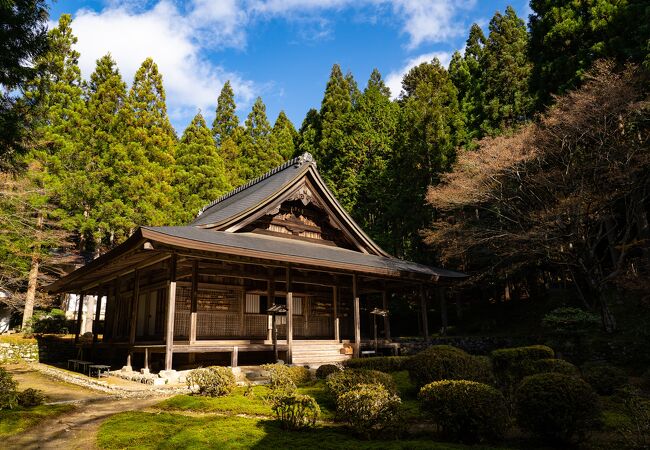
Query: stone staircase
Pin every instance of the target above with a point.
(317, 353)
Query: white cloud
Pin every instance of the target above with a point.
(423, 20)
(394, 79)
(167, 36)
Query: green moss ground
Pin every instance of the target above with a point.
(15, 421)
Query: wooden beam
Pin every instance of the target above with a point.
(289, 317)
(80, 309)
(423, 310)
(357, 317)
(384, 305)
(171, 309)
(194, 300)
(134, 307)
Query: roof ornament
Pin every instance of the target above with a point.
(305, 158)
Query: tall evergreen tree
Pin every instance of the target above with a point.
(257, 154)
(466, 74)
(309, 133)
(426, 138)
(23, 39)
(200, 172)
(148, 150)
(284, 136)
(567, 37)
(506, 73)
(226, 121)
(374, 123)
(336, 157)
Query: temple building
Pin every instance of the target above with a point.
(275, 268)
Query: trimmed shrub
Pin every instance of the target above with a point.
(509, 363)
(30, 397)
(341, 382)
(466, 411)
(299, 375)
(444, 362)
(7, 390)
(605, 379)
(556, 407)
(280, 378)
(296, 411)
(213, 381)
(380, 363)
(326, 369)
(369, 408)
(550, 365)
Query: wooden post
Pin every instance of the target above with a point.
(275, 339)
(384, 305)
(194, 301)
(443, 311)
(134, 308)
(80, 309)
(146, 358)
(98, 311)
(270, 301)
(116, 308)
(357, 316)
(423, 310)
(90, 314)
(289, 317)
(234, 356)
(335, 301)
(171, 309)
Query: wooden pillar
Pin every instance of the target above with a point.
(171, 309)
(357, 316)
(90, 314)
(335, 301)
(234, 356)
(289, 317)
(384, 305)
(80, 310)
(194, 301)
(116, 308)
(134, 308)
(98, 311)
(423, 310)
(443, 311)
(270, 301)
(146, 358)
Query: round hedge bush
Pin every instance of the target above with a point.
(466, 411)
(296, 411)
(509, 364)
(326, 369)
(341, 382)
(369, 408)
(605, 379)
(8, 390)
(556, 407)
(444, 362)
(30, 397)
(550, 365)
(212, 381)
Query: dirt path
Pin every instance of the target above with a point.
(78, 429)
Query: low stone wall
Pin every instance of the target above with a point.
(11, 352)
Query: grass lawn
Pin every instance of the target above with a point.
(140, 430)
(14, 421)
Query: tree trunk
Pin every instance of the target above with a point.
(32, 281)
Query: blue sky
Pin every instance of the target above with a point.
(281, 50)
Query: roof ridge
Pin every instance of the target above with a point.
(297, 161)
